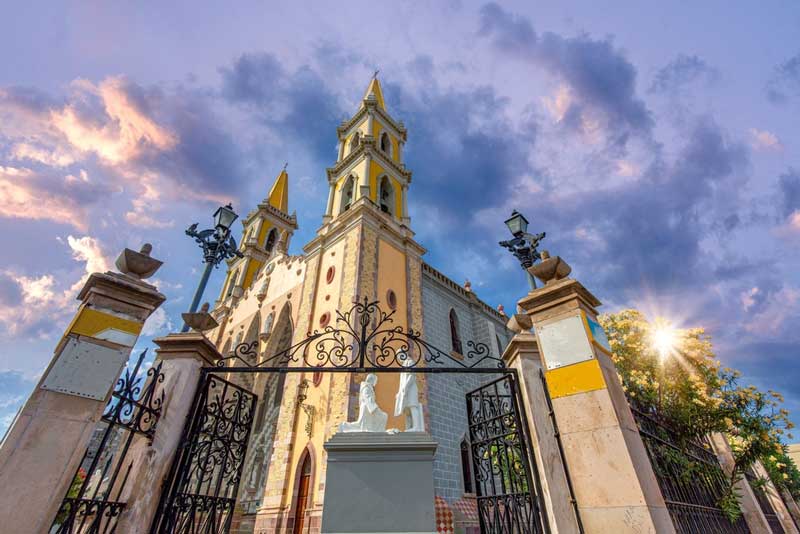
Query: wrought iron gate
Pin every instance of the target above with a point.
(200, 492)
(508, 492)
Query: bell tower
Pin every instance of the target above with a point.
(370, 162)
(364, 248)
(267, 231)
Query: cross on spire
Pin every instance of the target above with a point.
(285, 165)
(375, 74)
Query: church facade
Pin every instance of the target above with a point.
(365, 248)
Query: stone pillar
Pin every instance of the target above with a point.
(522, 354)
(363, 182)
(751, 511)
(775, 500)
(612, 477)
(183, 355)
(47, 441)
(329, 207)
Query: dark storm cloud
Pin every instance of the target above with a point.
(10, 292)
(785, 81)
(789, 183)
(464, 152)
(653, 228)
(600, 75)
(298, 104)
(682, 71)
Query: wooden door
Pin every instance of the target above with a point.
(302, 496)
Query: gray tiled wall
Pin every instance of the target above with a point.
(446, 392)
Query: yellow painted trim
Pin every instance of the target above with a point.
(398, 199)
(90, 322)
(252, 267)
(574, 379)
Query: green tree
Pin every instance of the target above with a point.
(674, 373)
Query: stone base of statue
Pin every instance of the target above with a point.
(379, 482)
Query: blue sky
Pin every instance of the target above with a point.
(658, 146)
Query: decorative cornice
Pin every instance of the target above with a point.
(467, 295)
(289, 220)
(367, 148)
(371, 105)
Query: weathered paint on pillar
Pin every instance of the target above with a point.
(183, 355)
(47, 440)
(775, 499)
(522, 354)
(751, 511)
(613, 480)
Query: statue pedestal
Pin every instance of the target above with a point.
(378, 482)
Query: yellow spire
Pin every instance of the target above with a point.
(374, 88)
(279, 194)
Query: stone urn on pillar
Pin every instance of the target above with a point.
(550, 269)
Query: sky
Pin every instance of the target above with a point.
(658, 145)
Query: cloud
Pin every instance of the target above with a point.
(601, 80)
(764, 140)
(122, 132)
(49, 195)
(14, 389)
(681, 72)
(157, 323)
(34, 306)
(90, 250)
(785, 81)
(789, 186)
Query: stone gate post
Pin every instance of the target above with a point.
(614, 484)
(46, 442)
(183, 355)
(522, 354)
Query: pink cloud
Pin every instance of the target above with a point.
(765, 140)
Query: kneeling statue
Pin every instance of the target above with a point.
(370, 416)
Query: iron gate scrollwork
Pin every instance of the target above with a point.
(200, 493)
(508, 492)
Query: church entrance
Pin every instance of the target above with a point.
(202, 488)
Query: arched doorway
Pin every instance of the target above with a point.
(302, 498)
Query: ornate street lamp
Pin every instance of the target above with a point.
(218, 244)
(523, 246)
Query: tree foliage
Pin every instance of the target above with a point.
(689, 389)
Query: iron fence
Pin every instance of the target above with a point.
(93, 502)
(690, 477)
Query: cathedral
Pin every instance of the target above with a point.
(364, 248)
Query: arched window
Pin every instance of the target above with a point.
(500, 346)
(270, 243)
(386, 144)
(347, 193)
(455, 339)
(466, 467)
(386, 193)
(232, 283)
(355, 141)
(268, 324)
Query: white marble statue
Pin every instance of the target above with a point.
(407, 399)
(370, 416)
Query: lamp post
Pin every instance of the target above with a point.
(524, 245)
(218, 244)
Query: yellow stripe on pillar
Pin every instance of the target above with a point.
(574, 379)
(101, 325)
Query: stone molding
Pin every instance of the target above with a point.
(558, 293)
(139, 298)
(189, 344)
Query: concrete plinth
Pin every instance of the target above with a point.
(378, 482)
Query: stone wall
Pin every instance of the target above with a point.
(447, 392)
